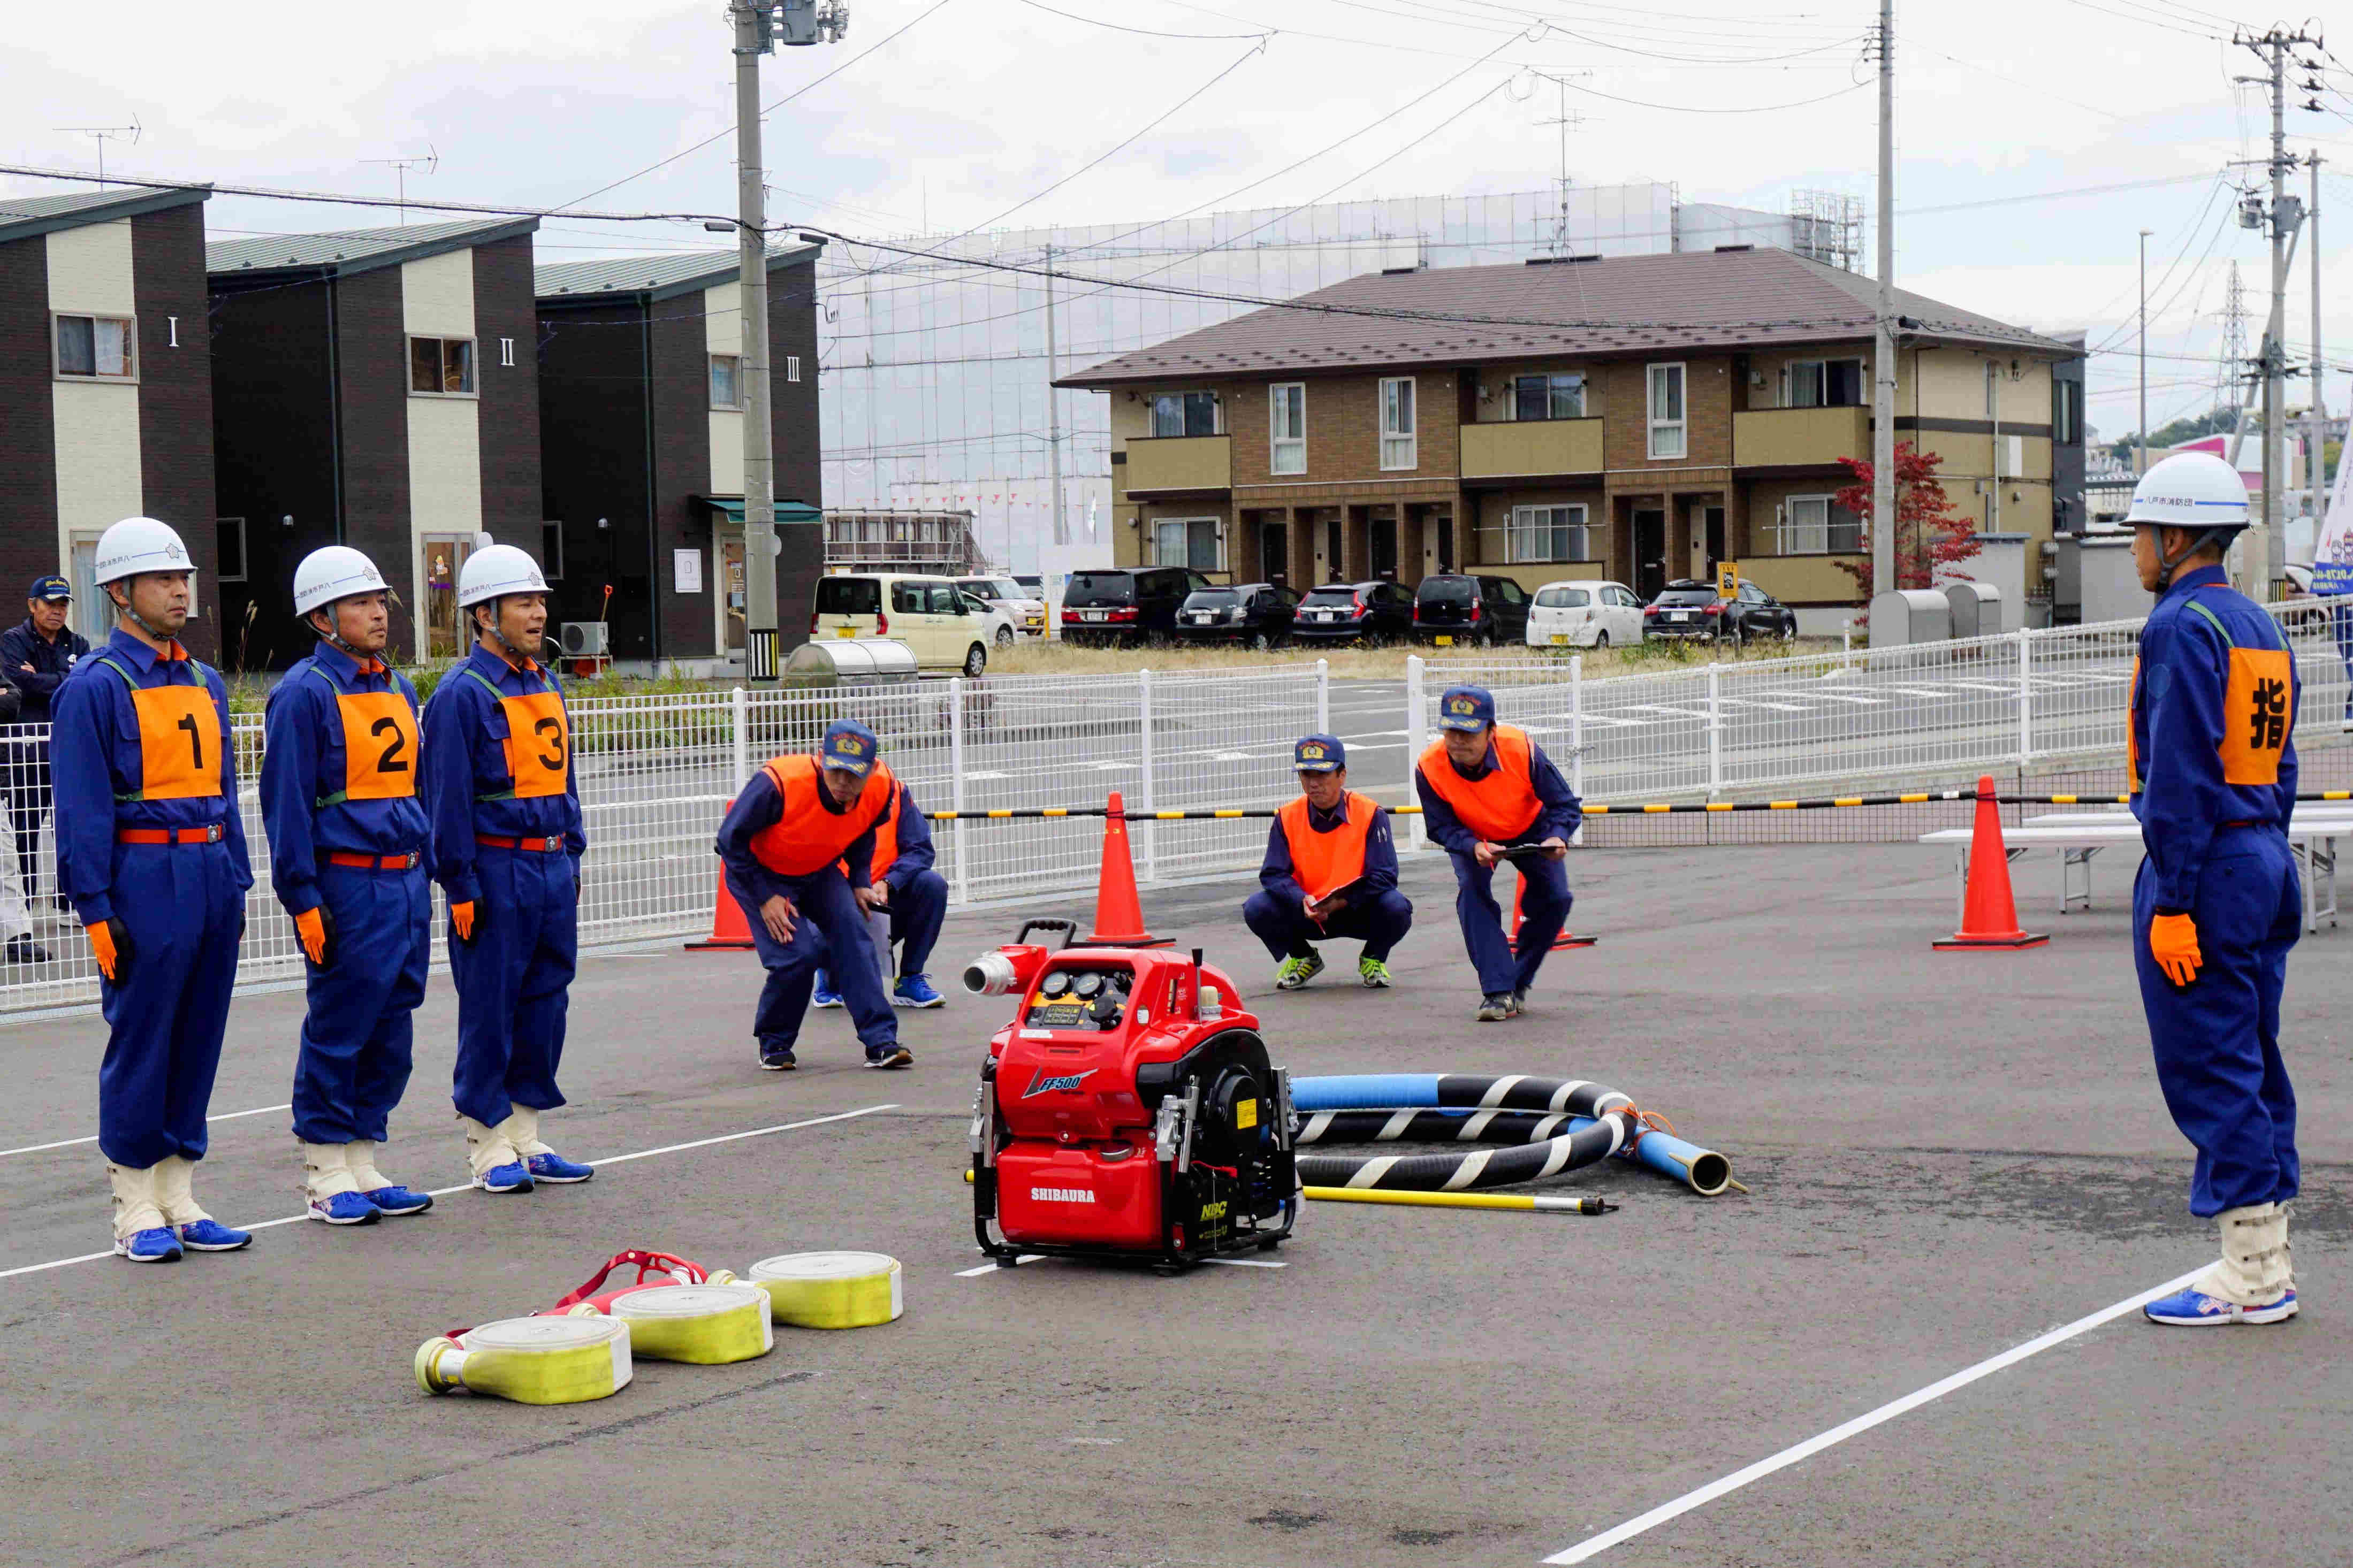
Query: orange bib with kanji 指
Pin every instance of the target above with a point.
(538, 742)
(179, 741)
(2258, 715)
(379, 745)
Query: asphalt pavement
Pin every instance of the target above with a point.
(1948, 1156)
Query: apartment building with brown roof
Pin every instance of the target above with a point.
(1636, 419)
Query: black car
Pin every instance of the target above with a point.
(1345, 612)
(1470, 608)
(1690, 608)
(1131, 604)
(1257, 613)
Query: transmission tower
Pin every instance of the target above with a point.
(2232, 370)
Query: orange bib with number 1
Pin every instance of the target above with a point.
(179, 743)
(539, 743)
(379, 745)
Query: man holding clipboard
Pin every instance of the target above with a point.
(1331, 871)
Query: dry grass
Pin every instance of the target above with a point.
(1370, 664)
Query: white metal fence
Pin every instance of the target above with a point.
(655, 772)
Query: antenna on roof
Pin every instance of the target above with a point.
(1566, 120)
(102, 135)
(400, 167)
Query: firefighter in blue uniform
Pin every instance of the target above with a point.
(913, 895)
(1331, 870)
(151, 852)
(506, 847)
(1486, 788)
(347, 841)
(2216, 905)
(798, 848)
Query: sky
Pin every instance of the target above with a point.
(984, 113)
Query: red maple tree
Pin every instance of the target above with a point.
(1931, 538)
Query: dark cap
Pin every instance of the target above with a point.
(849, 745)
(54, 589)
(1319, 755)
(1465, 707)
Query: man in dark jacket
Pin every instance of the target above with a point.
(35, 656)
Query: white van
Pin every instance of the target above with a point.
(928, 613)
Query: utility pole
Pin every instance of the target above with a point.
(1883, 400)
(2260, 564)
(1062, 534)
(2143, 352)
(2317, 422)
(760, 26)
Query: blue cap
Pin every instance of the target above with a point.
(1465, 707)
(50, 588)
(1319, 755)
(849, 745)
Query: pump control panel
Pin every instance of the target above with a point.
(1089, 998)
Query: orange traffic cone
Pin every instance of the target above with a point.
(1989, 913)
(1119, 914)
(1565, 939)
(729, 929)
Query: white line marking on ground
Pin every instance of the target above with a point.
(992, 1266)
(444, 1192)
(70, 1142)
(1247, 1262)
(1593, 1546)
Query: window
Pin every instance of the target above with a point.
(1396, 422)
(1185, 413)
(1287, 445)
(1562, 598)
(1815, 525)
(726, 381)
(1548, 397)
(1545, 534)
(906, 598)
(1188, 542)
(792, 367)
(550, 550)
(2067, 412)
(2014, 456)
(442, 367)
(1666, 385)
(104, 347)
(941, 599)
(1825, 384)
(230, 533)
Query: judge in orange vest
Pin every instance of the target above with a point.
(913, 895)
(1331, 870)
(799, 847)
(1487, 788)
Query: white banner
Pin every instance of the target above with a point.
(2332, 549)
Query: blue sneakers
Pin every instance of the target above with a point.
(777, 1059)
(2193, 1309)
(156, 1245)
(344, 1208)
(211, 1236)
(558, 1170)
(891, 1055)
(396, 1201)
(512, 1177)
(915, 991)
(824, 995)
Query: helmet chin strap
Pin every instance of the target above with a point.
(122, 606)
(2168, 565)
(496, 608)
(332, 635)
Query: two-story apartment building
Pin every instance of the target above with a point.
(377, 388)
(641, 411)
(106, 388)
(1636, 419)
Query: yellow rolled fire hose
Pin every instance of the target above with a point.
(831, 1289)
(709, 1325)
(532, 1360)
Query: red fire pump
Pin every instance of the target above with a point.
(1128, 1109)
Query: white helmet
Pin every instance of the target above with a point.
(335, 572)
(2190, 490)
(139, 544)
(495, 570)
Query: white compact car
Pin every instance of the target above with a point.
(1004, 621)
(930, 615)
(1585, 615)
(1027, 605)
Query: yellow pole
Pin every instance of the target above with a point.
(1459, 1200)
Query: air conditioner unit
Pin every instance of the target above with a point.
(585, 639)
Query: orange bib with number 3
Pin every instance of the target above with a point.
(379, 745)
(539, 743)
(179, 743)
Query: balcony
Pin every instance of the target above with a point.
(1532, 448)
(1179, 463)
(1799, 437)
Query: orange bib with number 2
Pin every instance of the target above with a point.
(179, 743)
(379, 745)
(539, 743)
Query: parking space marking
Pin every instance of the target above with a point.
(1594, 1545)
(992, 1266)
(72, 1142)
(465, 1186)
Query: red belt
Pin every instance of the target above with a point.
(533, 845)
(408, 862)
(212, 833)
